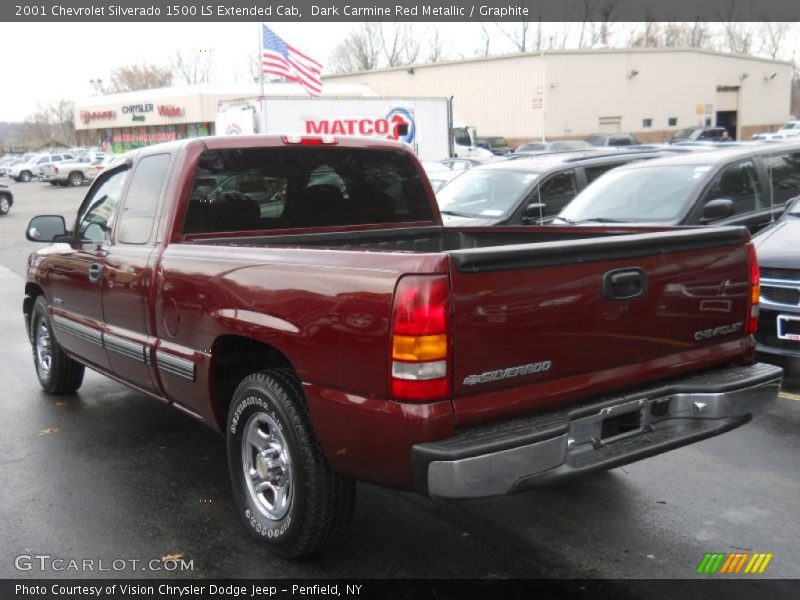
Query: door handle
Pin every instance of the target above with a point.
(624, 284)
(95, 269)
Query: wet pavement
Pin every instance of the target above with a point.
(108, 474)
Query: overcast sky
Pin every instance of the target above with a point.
(45, 62)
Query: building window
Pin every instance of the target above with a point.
(708, 121)
(672, 121)
(647, 122)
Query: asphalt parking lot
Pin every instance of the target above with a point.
(110, 474)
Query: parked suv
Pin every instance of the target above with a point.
(6, 200)
(744, 185)
(526, 190)
(778, 334)
(25, 171)
(612, 139)
(692, 134)
(496, 145)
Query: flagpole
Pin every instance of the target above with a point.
(261, 57)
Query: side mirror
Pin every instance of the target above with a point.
(46, 228)
(789, 204)
(534, 211)
(721, 208)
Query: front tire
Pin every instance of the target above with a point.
(58, 374)
(5, 204)
(25, 177)
(288, 496)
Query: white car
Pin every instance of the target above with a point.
(73, 172)
(790, 127)
(776, 136)
(25, 171)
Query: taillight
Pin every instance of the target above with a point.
(752, 304)
(309, 140)
(420, 339)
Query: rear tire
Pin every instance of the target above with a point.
(75, 179)
(5, 204)
(58, 374)
(288, 496)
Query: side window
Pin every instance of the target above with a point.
(784, 173)
(461, 136)
(619, 141)
(738, 183)
(556, 192)
(593, 173)
(97, 218)
(141, 202)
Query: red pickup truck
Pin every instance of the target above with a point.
(300, 295)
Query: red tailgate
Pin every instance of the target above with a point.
(533, 323)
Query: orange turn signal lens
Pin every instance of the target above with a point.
(419, 347)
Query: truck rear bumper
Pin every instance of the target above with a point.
(510, 456)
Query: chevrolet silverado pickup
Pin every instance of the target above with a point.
(301, 296)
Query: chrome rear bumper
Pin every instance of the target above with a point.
(510, 456)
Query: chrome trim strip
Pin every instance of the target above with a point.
(125, 347)
(180, 367)
(84, 332)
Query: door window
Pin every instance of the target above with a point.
(556, 192)
(784, 173)
(738, 183)
(141, 201)
(96, 220)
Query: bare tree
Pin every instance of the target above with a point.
(251, 71)
(436, 50)
(670, 35)
(399, 45)
(602, 30)
(50, 124)
(359, 51)
(486, 39)
(517, 34)
(193, 67)
(139, 77)
(773, 38)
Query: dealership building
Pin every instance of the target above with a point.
(121, 122)
(651, 92)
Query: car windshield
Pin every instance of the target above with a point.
(532, 147)
(484, 193)
(683, 134)
(795, 209)
(643, 194)
(791, 125)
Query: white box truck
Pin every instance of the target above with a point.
(426, 124)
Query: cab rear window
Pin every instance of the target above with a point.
(257, 189)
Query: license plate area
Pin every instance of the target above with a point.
(788, 327)
(625, 421)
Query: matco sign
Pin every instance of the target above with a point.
(398, 124)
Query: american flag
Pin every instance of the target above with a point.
(279, 58)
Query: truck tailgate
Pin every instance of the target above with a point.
(535, 316)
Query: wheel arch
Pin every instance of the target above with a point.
(233, 357)
(32, 291)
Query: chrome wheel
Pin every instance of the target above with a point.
(44, 351)
(267, 466)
